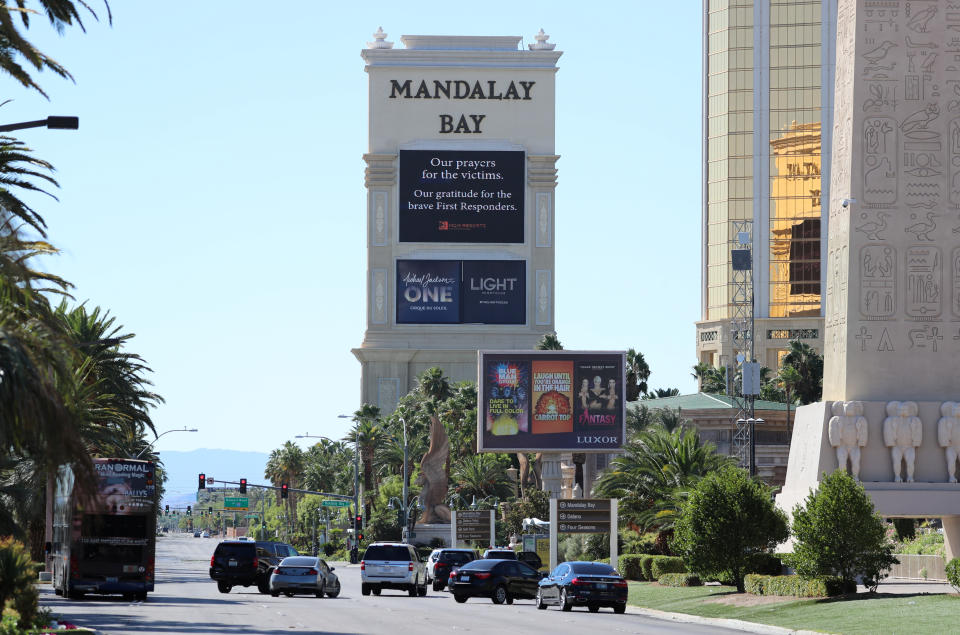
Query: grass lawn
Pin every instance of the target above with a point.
(862, 613)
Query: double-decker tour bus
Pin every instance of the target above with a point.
(106, 545)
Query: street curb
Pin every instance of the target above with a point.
(739, 625)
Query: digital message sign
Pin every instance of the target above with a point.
(428, 291)
(461, 292)
(558, 401)
(461, 196)
(494, 291)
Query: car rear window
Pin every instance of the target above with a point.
(480, 565)
(455, 557)
(299, 561)
(234, 549)
(387, 552)
(500, 555)
(593, 568)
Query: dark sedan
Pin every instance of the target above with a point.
(448, 561)
(500, 580)
(590, 584)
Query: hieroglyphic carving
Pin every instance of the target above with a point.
(878, 281)
(886, 343)
(902, 433)
(879, 162)
(955, 282)
(924, 283)
(925, 337)
(847, 431)
(874, 228)
(953, 143)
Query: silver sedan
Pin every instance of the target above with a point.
(304, 574)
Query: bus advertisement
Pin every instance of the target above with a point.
(109, 546)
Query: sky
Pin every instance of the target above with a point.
(213, 199)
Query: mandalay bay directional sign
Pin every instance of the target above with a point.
(473, 525)
(583, 516)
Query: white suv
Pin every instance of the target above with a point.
(392, 565)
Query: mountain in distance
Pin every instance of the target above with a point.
(183, 468)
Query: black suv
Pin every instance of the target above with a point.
(245, 562)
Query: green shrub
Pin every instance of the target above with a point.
(953, 573)
(630, 566)
(838, 533)
(663, 565)
(16, 580)
(679, 579)
(646, 566)
(634, 542)
(794, 585)
(926, 544)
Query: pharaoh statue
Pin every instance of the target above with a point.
(948, 434)
(433, 476)
(902, 433)
(848, 433)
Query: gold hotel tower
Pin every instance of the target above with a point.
(767, 121)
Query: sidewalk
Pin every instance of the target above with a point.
(907, 586)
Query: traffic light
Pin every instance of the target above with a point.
(189, 511)
(210, 509)
(359, 537)
(166, 510)
(283, 490)
(202, 484)
(358, 522)
(243, 486)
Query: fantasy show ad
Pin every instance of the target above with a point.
(564, 401)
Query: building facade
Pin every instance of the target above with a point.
(767, 124)
(460, 177)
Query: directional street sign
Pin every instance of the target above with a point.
(236, 503)
(473, 525)
(583, 516)
(335, 503)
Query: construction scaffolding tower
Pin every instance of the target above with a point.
(741, 332)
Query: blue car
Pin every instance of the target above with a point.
(590, 584)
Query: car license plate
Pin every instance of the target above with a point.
(600, 585)
(464, 578)
(232, 562)
(111, 579)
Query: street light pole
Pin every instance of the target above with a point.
(406, 507)
(150, 445)
(52, 123)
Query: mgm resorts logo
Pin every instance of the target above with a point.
(597, 439)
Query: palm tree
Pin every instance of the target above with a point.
(368, 435)
(285, 465)
(638, 372)
(660, 393)
(60, 13)
(809, 366)
(653, 475)
(549, 342)
(480, 476)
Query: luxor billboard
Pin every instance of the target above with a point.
(557, 401)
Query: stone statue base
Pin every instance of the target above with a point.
(931, 495)
(424, 533)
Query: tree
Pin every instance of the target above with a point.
(712, 379)
(549, 342)
(808, 363)
(838, 533)
(637, 372)
(660, 393)
(367, 435)
(727, 517)
(60, 13)
(481, 475)
(654, 474)
(534, 504)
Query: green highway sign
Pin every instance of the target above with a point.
(236, 503)
(335, 503)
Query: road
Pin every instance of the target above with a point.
(187, 601)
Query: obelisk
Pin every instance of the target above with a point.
(892, 339)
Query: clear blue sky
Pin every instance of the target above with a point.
(213, 197)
